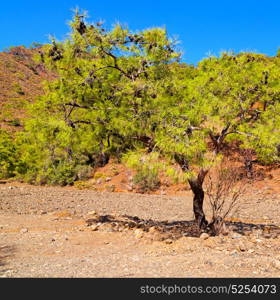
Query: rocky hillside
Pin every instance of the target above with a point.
(20, 83)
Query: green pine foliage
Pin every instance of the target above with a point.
(118, 92)
(231, 97)
(100, 102)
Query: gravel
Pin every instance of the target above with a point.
(44, 233)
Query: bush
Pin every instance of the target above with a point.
(83, 172)
(146, 179)
(61, 173)
(224, 189)
(52, 153)
(147, 167)
(7, 155)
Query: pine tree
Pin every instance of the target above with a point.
(106, 89)
(120, 92)
(225, 99)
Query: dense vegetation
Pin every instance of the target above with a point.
(126, 95)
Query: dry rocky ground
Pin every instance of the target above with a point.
(65, 232)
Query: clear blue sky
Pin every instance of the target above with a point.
(201, 26)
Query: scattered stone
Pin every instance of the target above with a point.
(155, 236)
(104, 227)
(236, 236)
(110, 188)
(210, 243)
(138, 233)
(108, 179)
(204, 236)
(168, 241)
(242, 247)
(23, 230)
(92, 221)
(251, 251)
(93, 212)
(43, 212)
(99, 181)
(276, 264)
(208, 262)
(234, 253)
(94, 227)
(152, 229)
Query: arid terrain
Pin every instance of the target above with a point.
(66, 232)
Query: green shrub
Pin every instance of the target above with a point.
(52, 153)
(7, 155)
(146, 179)
(147, 167)
(83, 172)
(81, 185)
(98, 175)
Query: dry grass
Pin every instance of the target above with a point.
(224, 189)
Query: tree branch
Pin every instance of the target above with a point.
(115, 63)
(74, 104)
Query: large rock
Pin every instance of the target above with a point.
(204, 236)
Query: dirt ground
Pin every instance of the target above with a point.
(66, 232)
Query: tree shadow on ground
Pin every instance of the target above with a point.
(264, 230)
(6, 252)
(167, 229)
(173, 230)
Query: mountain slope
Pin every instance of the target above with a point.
(20, 83)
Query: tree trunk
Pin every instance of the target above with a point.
(197, 189)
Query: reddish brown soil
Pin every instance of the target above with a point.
(119, 178)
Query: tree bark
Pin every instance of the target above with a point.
(198, 199)
(197, 189)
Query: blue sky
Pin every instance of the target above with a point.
(203, 27)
